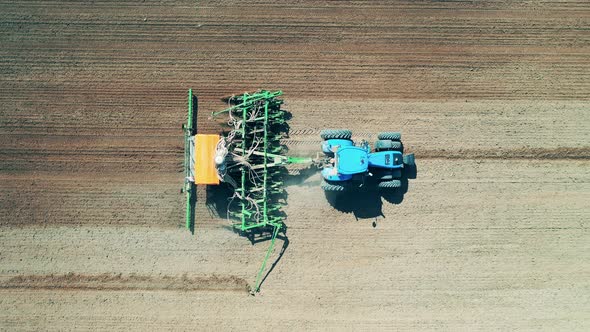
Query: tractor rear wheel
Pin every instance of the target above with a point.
(390, 184)
(326, 186)
(391, 135)
(327, 134)
(387, 145)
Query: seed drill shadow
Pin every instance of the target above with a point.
(219, 198)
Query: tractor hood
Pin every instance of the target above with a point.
(386, 159)
(352, 160)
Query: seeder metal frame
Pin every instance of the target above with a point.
(254, 195)
(189, 185)
(253, 151)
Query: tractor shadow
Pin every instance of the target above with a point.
(363, 204)
(367, 202)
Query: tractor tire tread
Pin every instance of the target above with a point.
(390, 135)
(390, 184)
(388, 145)
(326, 186)
(327, 134)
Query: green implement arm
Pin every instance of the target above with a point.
(189, 186)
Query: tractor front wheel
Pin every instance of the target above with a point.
(327, 134)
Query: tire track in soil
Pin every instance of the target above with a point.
(91, 199)
(311, 147)
(119, 282)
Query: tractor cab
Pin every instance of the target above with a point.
(352, 160)
(347, 160)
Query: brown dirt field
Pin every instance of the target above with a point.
(492, 234)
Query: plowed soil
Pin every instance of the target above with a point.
(491, 234)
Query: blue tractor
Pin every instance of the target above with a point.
(350, 166)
